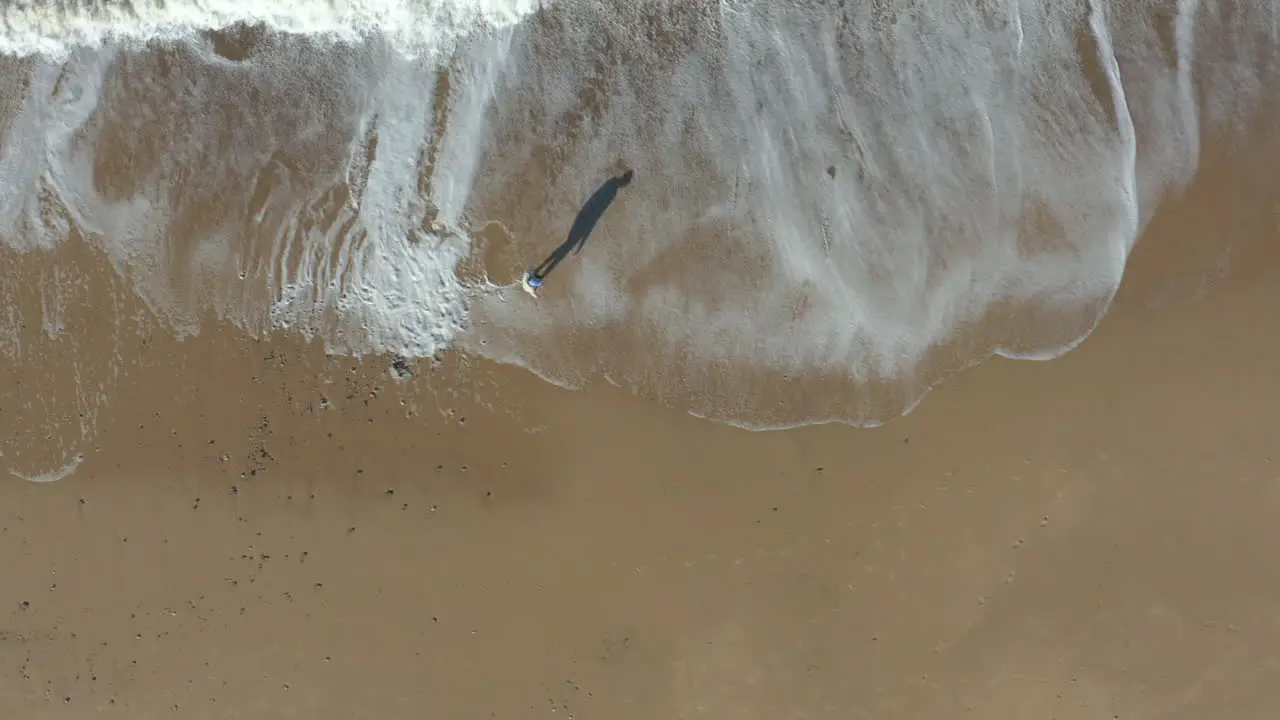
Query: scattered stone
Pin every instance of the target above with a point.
(400, 369)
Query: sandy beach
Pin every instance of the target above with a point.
(257, 530)
(204, 514)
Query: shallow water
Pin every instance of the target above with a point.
(834, 205)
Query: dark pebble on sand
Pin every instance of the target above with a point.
(401, 368)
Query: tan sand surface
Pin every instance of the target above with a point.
(259, 531)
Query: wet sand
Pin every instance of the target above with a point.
(258, 530)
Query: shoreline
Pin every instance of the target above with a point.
(255, 527)
(598, 554)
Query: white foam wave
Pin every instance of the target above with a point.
(54, 29)
(821, 189)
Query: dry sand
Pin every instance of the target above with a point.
(258, 531)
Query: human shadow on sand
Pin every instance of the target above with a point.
(584, 223)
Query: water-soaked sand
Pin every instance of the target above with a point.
(257, 530)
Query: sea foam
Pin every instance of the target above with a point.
(828, 196)
(56, 29)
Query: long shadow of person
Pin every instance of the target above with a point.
(583, 224)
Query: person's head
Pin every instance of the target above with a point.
(625, 178)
